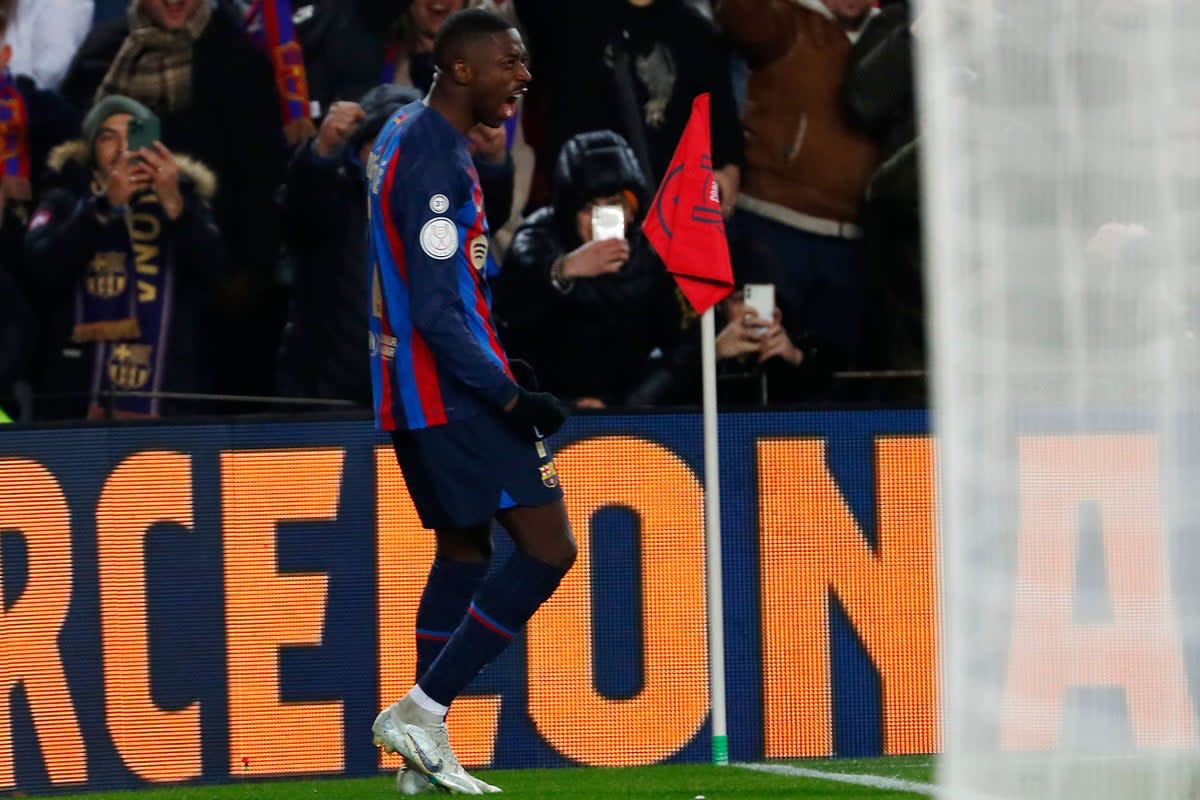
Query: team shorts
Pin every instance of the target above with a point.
(461, 473)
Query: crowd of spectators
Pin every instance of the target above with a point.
(182, 216)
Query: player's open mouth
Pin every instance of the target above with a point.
(509, 109)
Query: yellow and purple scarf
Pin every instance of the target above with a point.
(124, 305)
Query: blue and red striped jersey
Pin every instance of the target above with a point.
(435, 354)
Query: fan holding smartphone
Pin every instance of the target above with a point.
(143, 133)
(754, 323)
(151, 165)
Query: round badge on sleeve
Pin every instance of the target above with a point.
(439, 238)
(439, 203)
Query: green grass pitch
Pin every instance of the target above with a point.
(669, 782)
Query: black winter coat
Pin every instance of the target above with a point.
(597, 339)
(52, 121)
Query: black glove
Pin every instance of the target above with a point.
(524, 375)
(538, 414)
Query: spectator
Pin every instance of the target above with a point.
(766, 361)
(123, 251)
(878, 95)
(878, 89)
(215, 93)
(409, 57)
(45, 35)
(589, 313)
(268, 26)
(807, 168)
(344, 44)
(48, 121)
(326, 230)
(635, 65)
(759, 362)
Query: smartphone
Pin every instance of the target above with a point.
(760, 298)
(144, 132)
(608, 222)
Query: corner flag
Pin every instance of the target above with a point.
(684, 223)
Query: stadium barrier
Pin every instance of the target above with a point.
(211, 602)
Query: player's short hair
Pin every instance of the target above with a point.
(3, 21)
(460, 29)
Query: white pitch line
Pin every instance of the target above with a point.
(873, 781)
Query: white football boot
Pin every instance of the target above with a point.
(425, 747)
(410, 782)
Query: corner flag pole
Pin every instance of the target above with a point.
(685, 226)
(712, 542)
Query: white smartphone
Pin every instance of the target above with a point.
(608, 222)
(760, 298)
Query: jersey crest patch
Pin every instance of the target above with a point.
(479, 252)
(439, 238)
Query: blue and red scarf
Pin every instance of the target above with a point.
(14, 130)
(269, 25)
(124, 304)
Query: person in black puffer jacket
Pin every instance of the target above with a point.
(593, 316)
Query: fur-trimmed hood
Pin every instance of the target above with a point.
(73, 155)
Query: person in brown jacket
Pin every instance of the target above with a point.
(807, 168)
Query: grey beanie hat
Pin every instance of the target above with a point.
(113, 104)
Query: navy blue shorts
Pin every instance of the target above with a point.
(461, 473)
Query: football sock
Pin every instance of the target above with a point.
(448, 593)
(503, 604)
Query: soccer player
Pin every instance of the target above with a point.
(469, 438)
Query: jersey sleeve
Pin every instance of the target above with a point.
(425, 198)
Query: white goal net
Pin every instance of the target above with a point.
(1061, 154)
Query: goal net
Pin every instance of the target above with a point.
(1061, 156)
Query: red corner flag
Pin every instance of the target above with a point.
(684, 222)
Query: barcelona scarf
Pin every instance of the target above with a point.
(124, 305)
(269, 25)
(14, 132)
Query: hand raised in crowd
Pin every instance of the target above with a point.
(298, 130)
(342, 120)
(488, 144)
(597, 257)
(741, 337)
(161, 171)
(14, 187)
(776, 343)
(124, 180)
